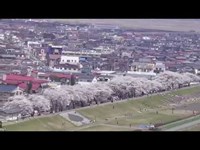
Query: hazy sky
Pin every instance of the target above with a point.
(163, 24)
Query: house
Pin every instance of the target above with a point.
(36, 87)
(148, 75)
(82, 53)
(53, 59)
(21, 81)
(104, 72)
(86, 69)
(53, 55)
(142, 66)
(11, 114)
(66, 68)
(86, 78)
(31, 44)
(42, 54)
(7, 91)
(27, 62)
(69, 59)
(60, 78)
(160, 66)
(7, 56)
(104, 78)
(56, 50)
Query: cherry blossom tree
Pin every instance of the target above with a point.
(119, 88)
(18, 104)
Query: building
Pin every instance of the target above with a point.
(104, 78)
(82, 53)
(11, 89)
(160, 66)
(53, 59)
(104, 72)
(7, 91)
(21, 81)
(142, 67)
(42, 55)
(148, 75)
(86, 78)
(31, 44)
(69, 59)
(58, 78)
(7, 56)
(56, 50)
(66, 68)
(53, 55)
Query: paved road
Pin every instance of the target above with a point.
(108, 125)
(185, 125)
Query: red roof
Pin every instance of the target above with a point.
(12, 82)
(59, 75)
(23, 86)
(17, 79)
(35, 71)
(39, 81)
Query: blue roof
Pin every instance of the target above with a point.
(7, 88)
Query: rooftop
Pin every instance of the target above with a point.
(7, 88)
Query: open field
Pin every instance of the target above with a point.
(193, 106)
(159, 24)
(53, 123)
(115, 116)
(186, 91)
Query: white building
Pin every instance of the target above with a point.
(2, 36)
(69, 59)
(31, 43)
(82, 53)
(160, 66)
(65, 70)
(105, 72)
(147, 75)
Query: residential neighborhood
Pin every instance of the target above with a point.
(36, 55)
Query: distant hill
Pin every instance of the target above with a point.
(160, 24)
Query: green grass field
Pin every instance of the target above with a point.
(120, 109)
(134, 112)
(148, 118)
(193, 90)
(53, 123)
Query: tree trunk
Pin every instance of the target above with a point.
(82, 104)
(73, 104)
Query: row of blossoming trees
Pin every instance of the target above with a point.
(69, 97)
